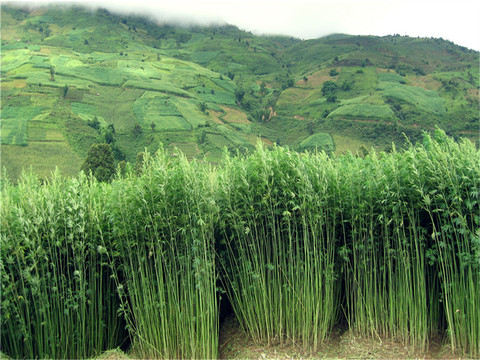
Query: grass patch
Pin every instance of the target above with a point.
(317, 142)
(391, 78)
(42, 158)
(155, 85)
(215, 96)
(114, 105)
(203, 57)
(159, 110)
(363, 111)
(425, 100)
(190, 111)
(14, 123)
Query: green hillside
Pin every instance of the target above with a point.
(71, 78)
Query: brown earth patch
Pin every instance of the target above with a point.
(44, 51)
(266, 141)
(425, 82)
(293, 95)
(473, 94)
(235, 116)
(16, 83)
(383, 71)
(253, 139)
(215, 117)
(317, 78)
(189, 149)
(234, 344)
(298, 117)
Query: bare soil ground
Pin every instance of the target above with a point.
(341, 344)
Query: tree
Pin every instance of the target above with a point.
(263, 88)
(331, 97)
(153, 126)
(52, 73)
(94, 123)
(346, 85)
(329, 90)
(203, 106)
(137, 130)
(99, 162)
(65, 90)
(139, 163)
(108, 136)
(239, 94)
(333, 72)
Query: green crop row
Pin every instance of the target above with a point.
(363, 111)
(317, 142)
(14, 123)
(426, 100)
(387, 244)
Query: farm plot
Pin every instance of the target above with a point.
(41, 77)
(98, 74)
(156, 85)
(217, 97)
(190, 111)
(158, 109)
(114, 105)
(14, 59)
(234, 116)
(317, 142)
(42, 157)
(426, 100)
(203, 57)
(14, 123)
(363, 111)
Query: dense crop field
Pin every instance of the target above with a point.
(388, 244)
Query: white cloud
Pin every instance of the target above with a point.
(457, 21)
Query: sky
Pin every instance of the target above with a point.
(457, 21)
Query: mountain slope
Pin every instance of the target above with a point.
(72, 77)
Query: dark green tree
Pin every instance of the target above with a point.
(203, 106)
(137, 130)
(94, 123)
(333, 72)
(239, 94)
(65, 90)
(52, 73)
(329, 90)
(139, 163)
(99, 162)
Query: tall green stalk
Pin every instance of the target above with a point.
(57, 296)
(163, 225)
(279, 252)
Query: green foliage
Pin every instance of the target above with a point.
(58, 291)
(425, 100)
(333, 72)
(99, 162)
(363, 111)
(107, 70)
(94, 123)
(295, 240)
(329, 90)
(154, 107)
(317, 142)
(14, 123)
